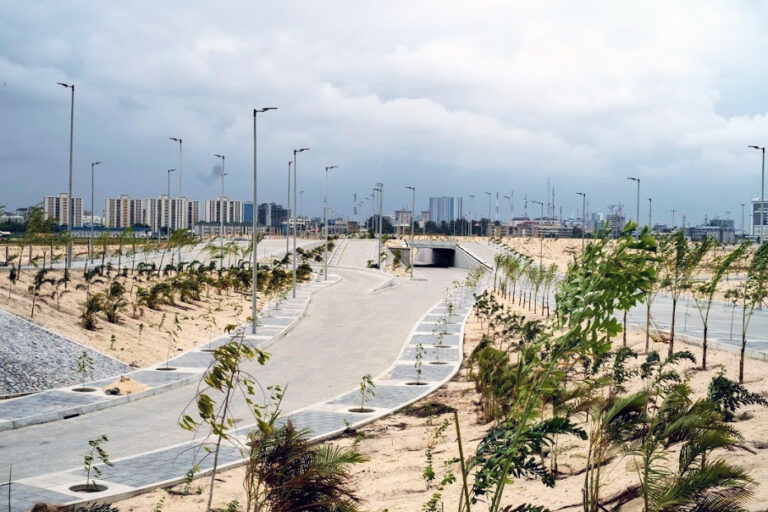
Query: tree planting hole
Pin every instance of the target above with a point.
(88, 488)
(415, 383)
(209, 350)
(166, 369)
(361, 410)
(437, 362)
(84, 390)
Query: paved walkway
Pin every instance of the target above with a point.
(64, 403)
(313, 360)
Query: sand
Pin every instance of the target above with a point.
(140, 341)
(396, 445)
(125, 386)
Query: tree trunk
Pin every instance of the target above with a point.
(672, 329)
(624, 330)
(647, 324)
(741, 355)
(704, 349)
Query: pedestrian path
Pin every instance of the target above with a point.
(337, 252)
(430, 356)
(276, 320)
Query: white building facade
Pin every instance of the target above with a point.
(55, 207)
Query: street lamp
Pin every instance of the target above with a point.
(179, 140)
(637, 216)
(541, 240)
(221, 210)
(380, 189)
(673, 218)
(325, 220)
(762, 193)
(69, 196)
(650, 209)
(413, 217)
(489, 213)
(471, 219)
(255, 243)
(168, 209)
(742, 219)
(583, 217)
(93, 164)
(295, 151)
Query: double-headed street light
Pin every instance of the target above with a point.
(325, 220)
(221, 209)
(762, 193)
(413, 218)
(255, 227)
(295, 220)
(69, 196)
(637, 216)
(179, 140)
(93, 164)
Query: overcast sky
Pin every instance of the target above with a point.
(456, 98)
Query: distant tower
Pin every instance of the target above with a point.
(497, 207)
(553, 203)
(354, 205)
(547, 199)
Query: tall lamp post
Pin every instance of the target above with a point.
(295, 220)
(288, 208)
(673, 218)
(325, 220)
(93, 164)
(541, 240)
(583, 217)
(489, 214)
(742, 219)
(637, 215)
(255, 243)
(221, 210)
(168, 210)
(179, 140)
(650, 209)
(69, 196)
(413, 218)
(380, 189)
(471, 217)
(762, 193)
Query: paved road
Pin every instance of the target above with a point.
(348, 333)
(357, 253)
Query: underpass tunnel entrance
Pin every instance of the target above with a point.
(435, 257)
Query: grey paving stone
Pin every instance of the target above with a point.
(275, 321)
(430, 354)
(322, 422)
(24, 497)
(439, 318)
(451, 328)
(193, 360)
(431, 339)
(389, 397)
(428, 372)
(162, 465)
(155, 378)
(42, 403)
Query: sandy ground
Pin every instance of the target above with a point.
(392, 479)
(140, 341)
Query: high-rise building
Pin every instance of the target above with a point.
(756, 217)
(55, 207)
(193, 214)
(232, 211)
(123, 212)
(248, 212)
(272, 215)
(445, 209)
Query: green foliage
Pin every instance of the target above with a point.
(728, 396)
(91, 307)
(367, 390)
(285, 472)
(84, 365)
(96, 452)
(225, 378)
